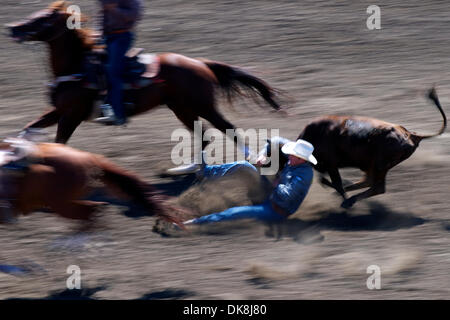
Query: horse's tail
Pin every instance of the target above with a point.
(231, 79)
(139, 191)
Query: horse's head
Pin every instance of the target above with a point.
(43, 25)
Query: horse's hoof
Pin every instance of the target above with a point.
(184, 169)
(347, 204)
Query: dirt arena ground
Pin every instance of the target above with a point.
(324, 57)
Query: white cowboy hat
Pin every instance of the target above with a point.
(301, 149)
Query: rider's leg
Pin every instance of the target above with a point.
(118, 45)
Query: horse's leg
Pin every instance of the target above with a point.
(66, 126)
(378, 186)
(47, 119)
(219, 122)
(188, 117)
(78, 209)
(185, 115)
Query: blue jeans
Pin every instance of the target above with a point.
(220, 170)
(263, 212)
(117, 47)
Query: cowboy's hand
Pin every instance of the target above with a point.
(262, 160)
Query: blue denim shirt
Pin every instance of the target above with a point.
(293, 187)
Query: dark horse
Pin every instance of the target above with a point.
(186, 86)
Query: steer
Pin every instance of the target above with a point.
(374, 146)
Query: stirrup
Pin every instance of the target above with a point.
(107, 110)
(112, 121)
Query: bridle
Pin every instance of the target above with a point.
(51, 38)
(28, 35)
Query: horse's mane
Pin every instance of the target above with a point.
(85, 35)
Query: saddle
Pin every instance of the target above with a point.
(141, 70)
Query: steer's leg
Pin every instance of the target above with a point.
(326, 182)
(378, 187)
(336, 181)
(364, 183)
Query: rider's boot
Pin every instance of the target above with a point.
(109, 118)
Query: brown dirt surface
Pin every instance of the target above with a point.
(321, 54)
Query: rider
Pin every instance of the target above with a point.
(119, 19)
(289, 191)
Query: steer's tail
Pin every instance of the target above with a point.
(433, 96)
(232, 79)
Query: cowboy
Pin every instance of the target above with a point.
(290, 189)
(119, 20)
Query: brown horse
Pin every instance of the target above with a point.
(60, 179)
(186, 87)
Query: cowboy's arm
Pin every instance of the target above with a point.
(289, 195)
